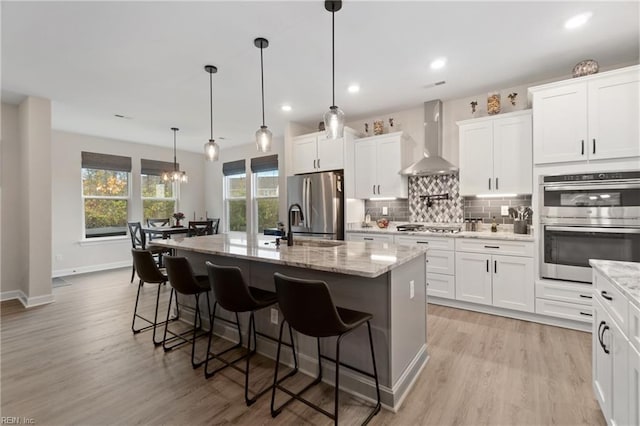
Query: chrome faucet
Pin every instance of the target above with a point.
(289, 233)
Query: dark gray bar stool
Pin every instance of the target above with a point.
(148, 272)
(184, 281)
(234, 295)
(307, 306)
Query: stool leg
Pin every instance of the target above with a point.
(376, 409)
(155, 318)
(337, 389)
(275, 412)
(209, 356)
(133, 272)
(293, 349)
(250, 353)
(195, 332)
(135, 309)
(166, 324)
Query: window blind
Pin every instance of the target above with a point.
(233, 168)
(94, 160)
(155, 168)
(264, 164)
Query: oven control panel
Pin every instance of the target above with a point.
(585, 177)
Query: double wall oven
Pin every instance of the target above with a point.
(588, 216)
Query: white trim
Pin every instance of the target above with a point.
(39, 300)
(92, 268)
(14, 294)
(103, 240)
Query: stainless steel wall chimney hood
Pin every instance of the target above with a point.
(432, 163)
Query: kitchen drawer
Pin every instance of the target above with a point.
(441, 262)
(370, 237)
(565, 292)
(612, 299)
(440, 285)
(633, 330)
(565, 310)
(477, 245)
(434, 243)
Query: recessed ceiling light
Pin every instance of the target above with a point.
(354, 88)
(438, 63)
(286, 108)
(578, 20)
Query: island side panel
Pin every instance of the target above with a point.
(408, 322)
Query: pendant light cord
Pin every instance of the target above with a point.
(211, 101)
(333, 55)
(262, 80)
(175, 161)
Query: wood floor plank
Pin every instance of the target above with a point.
(76, 362)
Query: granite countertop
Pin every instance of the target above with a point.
(624, 275)
(504, 234)
(345, 257)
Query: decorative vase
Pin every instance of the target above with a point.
(378, 127)
(493, 103)
(586, 67)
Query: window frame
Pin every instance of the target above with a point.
(84, 197)
(227, 198)
(176, 197)
(255, 197)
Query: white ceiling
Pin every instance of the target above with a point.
(145, 60)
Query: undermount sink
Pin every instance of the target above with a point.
(317, 243)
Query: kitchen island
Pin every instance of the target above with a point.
(385, 280)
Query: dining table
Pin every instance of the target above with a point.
(164, 231)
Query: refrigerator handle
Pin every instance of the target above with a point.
(307, 214)
(304, 199)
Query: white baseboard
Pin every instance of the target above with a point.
(27, 302)
(93, 268)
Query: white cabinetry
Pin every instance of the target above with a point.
(616, 362)
(495, 154)
(589, 118)
(564, 300)
(315, 153)
(378, 161)
(440, 263)
(497, 273)
(369, 237)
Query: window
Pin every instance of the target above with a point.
(265, 191)
(159, 198)
(235, 195)
(105, 192)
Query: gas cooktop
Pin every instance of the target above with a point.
(443, 228)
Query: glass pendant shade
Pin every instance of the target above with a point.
(211, 150)
(334, 123)
(263, 139)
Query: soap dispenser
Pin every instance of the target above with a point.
(494, 225)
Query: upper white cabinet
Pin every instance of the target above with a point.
(378, 161)
(315, 153)
(495, 154)
(589, 118)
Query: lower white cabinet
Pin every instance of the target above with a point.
(495, 279)
(634, 386)
(570, 301)
(369, 237)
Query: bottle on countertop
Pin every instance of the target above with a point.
(494, 225)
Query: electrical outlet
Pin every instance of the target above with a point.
(385, 211)
(504, 210)
(412, 289)
(274, 316)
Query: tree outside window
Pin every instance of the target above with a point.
(236, 202)
(158, 197)
(106, 199)
(266, 199)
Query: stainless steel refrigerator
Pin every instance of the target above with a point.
(321, 197)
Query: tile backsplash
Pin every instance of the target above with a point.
(455, 209)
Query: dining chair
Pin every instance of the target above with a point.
(215, 224)
(139, 241)
(154, 223)
(200, 227)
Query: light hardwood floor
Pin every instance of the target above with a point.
(76, 362)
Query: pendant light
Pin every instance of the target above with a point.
(175, 175)
(263, 135)
(334, 118)
(211, 148)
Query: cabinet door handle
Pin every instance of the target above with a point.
(586, 314)
(487, 265)
(495, 247)
(314, 164)
(374, 189)
(495, 266)
(368, 239)
(606, 295)
(318, 163)
(378, 189)
(582, 151)
(604, 347)
(600, 333)
(489, 184)
(594, 145)
(586, 296)
(497, 184)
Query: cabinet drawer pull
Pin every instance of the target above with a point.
(487, 265)
(495, 247)
(582, 151)
(586, 314)
(422, 242)
(606, 295)
(594, 145)
(495, 266)
(586, 296)
(368, 239)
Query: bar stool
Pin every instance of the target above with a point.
(184, 282)
(307, 306)
(148, 272)
(234, 295)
